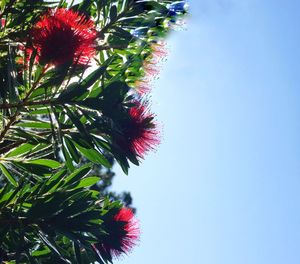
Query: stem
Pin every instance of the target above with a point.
(11, 121)
(21, 104)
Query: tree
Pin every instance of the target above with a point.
(72, 84)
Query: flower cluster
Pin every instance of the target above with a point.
(122, 234)
(151, 67)
(62, 36)
(2, 22)
(140, 133)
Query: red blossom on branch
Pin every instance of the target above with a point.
(151, 68)
(140, 132)
(2, 22)
(143, 86)
(123, 234)
(62, 36)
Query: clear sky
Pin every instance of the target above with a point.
(223, 187)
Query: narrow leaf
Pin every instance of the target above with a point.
(8, 175)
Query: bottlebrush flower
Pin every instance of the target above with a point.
(150, 68)
(159, 51)
(140, 133)
(2, 22)
(151, 65)
(62, 36)
(142, 86)
(122, 234)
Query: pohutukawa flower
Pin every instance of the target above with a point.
(143, 86)
(159, 51)
(151, 67)
(2, 22)
(62, 36)
(140, 132)
(122, 234)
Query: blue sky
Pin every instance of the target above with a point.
(223, 187)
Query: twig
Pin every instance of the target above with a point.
(21, 104)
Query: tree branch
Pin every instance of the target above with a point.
(21, 104)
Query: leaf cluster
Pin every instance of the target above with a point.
(53, 119)
(56, 220)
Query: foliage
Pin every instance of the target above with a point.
(58, 114)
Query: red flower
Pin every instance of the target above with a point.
(2, 22)
(159, 51)
(141, 134)
(123, 234)
(62, 36)
(151, 64)
(143, 86)
(151, 68)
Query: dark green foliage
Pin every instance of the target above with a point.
(54, 120)
(52, 216)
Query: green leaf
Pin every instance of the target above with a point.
(45, 162)
(40, 111)
(55, 78)
(120, 32)
(68, 159)
(35, 124)
(31, 167)
(73, 91)
(8, 175)
(94, 156)
(93, 77)
(30, 137)
(9, 197)
(88, 181)
(40, 252)
(77, 253)
(116, 40)
(113, 13)
(154, 5)
(115, 92)
(78, 139)
(72, 149)
(55, 181)
(52, 245)
(5, 197)
(78, 174)
(92, 103)
(76, 121)
(12, 84)
(19, 150)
